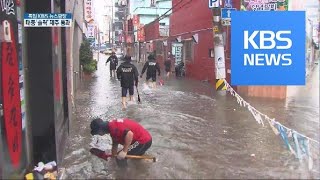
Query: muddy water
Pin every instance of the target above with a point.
(196, 133)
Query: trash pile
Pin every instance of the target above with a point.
(43, 171)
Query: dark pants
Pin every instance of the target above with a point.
(135, 149)
(139, 149)
(177, 70)
(111, 70)
(125, 91)
(168, 69)
(152, 76)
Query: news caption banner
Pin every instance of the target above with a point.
(48, 20)
(268, 48)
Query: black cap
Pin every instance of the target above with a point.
(98, 125)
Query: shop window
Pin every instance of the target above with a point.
(159, 47)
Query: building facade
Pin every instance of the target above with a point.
(193, 18)
(189, 19)
(312, 9)
(121, 24)
(45, 64)
(146, 13)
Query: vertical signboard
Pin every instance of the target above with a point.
(141, 34)
(177, 52)
(136, 20)
(11, 93)
(90, 31)
(88, 15)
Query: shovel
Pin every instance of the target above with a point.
(139, 100)
(101, 154)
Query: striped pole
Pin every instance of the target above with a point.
(220, 85)
(219, 50)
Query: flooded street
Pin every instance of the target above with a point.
(196, 133)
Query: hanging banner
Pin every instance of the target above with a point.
(88, 15)
(90, 31)
(141, 34)
(136, 20)
(11, 95)
(265, 5)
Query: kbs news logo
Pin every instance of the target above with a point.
(268, 48)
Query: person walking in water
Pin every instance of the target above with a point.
(167, 65)
(128, 74)
(152, 67)
(113, 64)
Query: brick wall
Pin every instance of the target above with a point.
(189, 17)
(151, 31)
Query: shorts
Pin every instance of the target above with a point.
(153, 77)
(139, 149)
(135, 149)
(125, 91)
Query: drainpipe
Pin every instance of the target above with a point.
(70, 70)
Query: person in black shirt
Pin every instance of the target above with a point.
(128, 74)
(167, 64)
(152, 67)
(113, 64)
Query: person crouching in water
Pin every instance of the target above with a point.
(152, 67)
(128, 74)
(136, 140)
(113, 64)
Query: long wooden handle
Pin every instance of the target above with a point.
(141, 157)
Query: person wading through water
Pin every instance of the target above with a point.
(152, 67)
(135, 139)
(167, 65)
(113, 64)
(128, 74)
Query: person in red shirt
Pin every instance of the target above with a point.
(135, 139)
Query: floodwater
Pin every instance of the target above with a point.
(196, 132)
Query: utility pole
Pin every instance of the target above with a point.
(219, 55)
(112, 23)
(125, 28)
(110, 32)
(99, 45)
